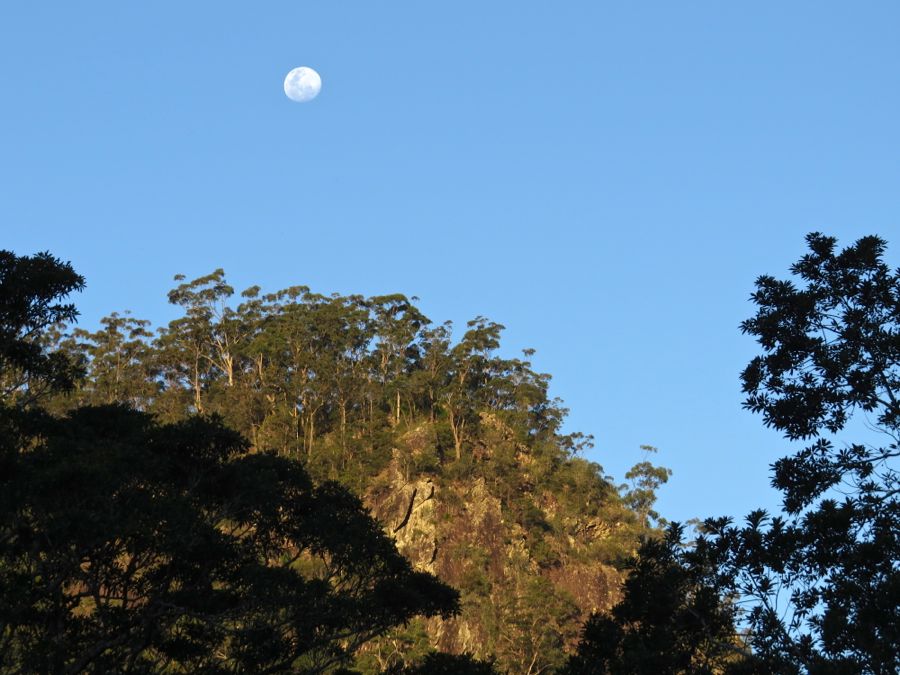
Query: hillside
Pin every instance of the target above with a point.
(457, 450)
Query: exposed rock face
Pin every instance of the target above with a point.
(407, 509)
(468, 536)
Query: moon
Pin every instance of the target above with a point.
(302, 84)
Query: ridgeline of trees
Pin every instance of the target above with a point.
(200, 498)
(265, 415)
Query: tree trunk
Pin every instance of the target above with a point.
(198, 404)
(457, 433)
(343, 425)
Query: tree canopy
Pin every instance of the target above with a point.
(128, 545)
(203, 497)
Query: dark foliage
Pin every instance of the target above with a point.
(438, 663)
(369, 393)
(135, 546)
(831, 349)
(673, 618)
(32, 290)
(132, 546)
(819, 586)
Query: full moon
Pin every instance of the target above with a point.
(302, 84)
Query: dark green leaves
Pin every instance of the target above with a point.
(830, 347)
(169, 544)
(32, 293)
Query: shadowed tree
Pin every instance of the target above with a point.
(131, 546)
(32, 293)
(673, 618)
(831, 350)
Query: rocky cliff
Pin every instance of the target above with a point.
(531, 563)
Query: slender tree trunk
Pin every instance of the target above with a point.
(457, 433)
(115, 392)
(311, 433)
(343, 425)
(198, 404)
(431, 404)
(259, 371)
(298, 427)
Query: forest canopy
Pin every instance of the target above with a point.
(180, 493)
(297, 482)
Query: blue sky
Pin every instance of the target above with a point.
(605, 179)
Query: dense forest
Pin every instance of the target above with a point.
(296, 482)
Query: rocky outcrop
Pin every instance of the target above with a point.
(467, 535)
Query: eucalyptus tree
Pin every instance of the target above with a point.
(349, 327)
(183, 345)
(468, 376)
(118, 360)
(645, 478)
(397, 324)
(209, 321)
(435, 363)
(204, 347)
(298, 356)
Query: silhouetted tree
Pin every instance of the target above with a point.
(32, 294)
(674, 618)
(831, 349)
(129, 546)
(819, 584)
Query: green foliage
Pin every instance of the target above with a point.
(404, 645)
(645, 480)
(538, 621)
(127, 545)
(369, 393)
(119, 362)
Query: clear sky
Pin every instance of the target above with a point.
(605, 179)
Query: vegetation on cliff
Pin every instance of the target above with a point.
(294, 482)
